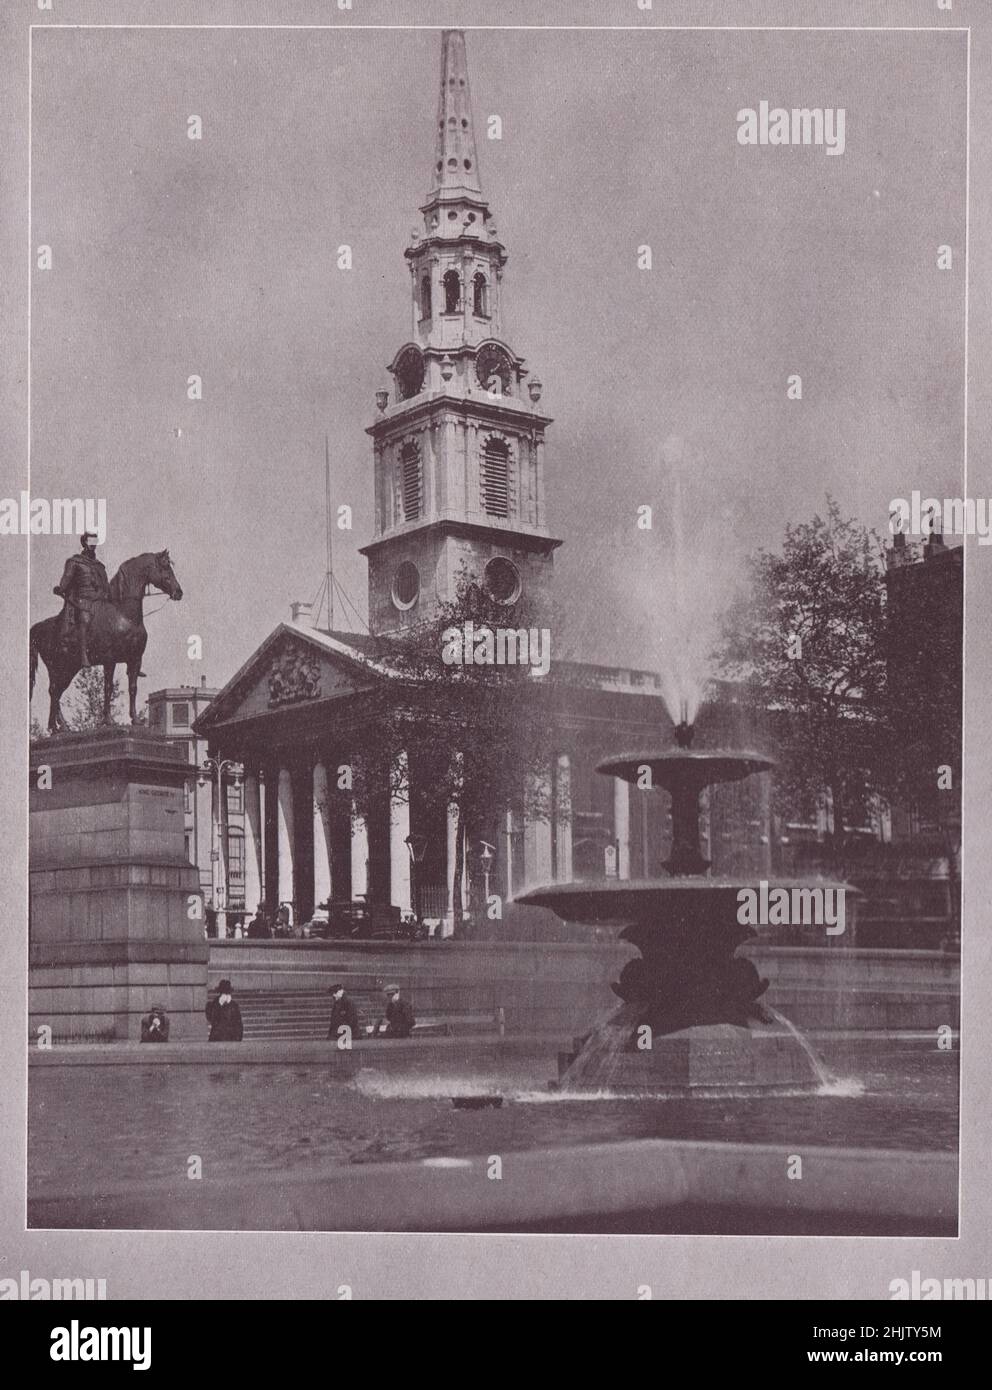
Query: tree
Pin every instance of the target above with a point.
(806, 637)
(84, 700)
(474, 737)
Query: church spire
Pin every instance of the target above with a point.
(459, 450)
(456, 167)
(456, 261)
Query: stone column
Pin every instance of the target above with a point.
(223, 875)
(451, 850)
(621, 825)
(359, 855)
(539, 488)
(321, 835)
(253, 845)
(508, 836)
(270, 837)
(563, 819)
(287, 844)
(765, 826)
(399, 850)
(537, 836)
(448, 924)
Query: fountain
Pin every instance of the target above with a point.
(691, 1019)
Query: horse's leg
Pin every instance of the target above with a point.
(61, 665)
(54, 713)
(133, 670)
(57, 685)
(108, 690)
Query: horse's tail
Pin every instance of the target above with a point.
(34, 659)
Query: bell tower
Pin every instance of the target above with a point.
(459, 440)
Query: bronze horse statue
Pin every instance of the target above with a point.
(116, 634)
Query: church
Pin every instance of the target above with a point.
(458, 450)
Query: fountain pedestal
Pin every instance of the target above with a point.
(701, 1060)
(692, 1018)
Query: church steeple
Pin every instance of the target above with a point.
(456, 261)
(459, 450)
(456, 167)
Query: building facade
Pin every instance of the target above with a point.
(925, 602)
(213, 829)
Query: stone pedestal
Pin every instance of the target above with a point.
(714, 1058)
(116, 912)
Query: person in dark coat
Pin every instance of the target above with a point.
(399, 1020)
(343, 1015)
(224, 1016)
(258, 927)
(155, 1026)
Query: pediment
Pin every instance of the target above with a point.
(292, 668)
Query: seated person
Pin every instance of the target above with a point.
(155, 1026)
(258, 927)
(398, 1020)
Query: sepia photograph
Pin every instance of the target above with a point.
(493, 530)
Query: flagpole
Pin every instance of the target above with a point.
(329, 574)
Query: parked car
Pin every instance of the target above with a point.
(357, 919)
(317, 926)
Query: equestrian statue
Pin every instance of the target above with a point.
(101, 624)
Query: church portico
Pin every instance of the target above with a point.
(307, 841)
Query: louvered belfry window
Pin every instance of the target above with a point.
(495, 479)
(411, 484)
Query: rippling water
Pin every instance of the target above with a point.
(90, 1125)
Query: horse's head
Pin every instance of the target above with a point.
(163, 576)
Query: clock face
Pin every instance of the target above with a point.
(410, 373)
(494, 369)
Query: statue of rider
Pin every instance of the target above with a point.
(84, 583)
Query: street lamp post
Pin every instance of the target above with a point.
(214, 767)
(486, 856)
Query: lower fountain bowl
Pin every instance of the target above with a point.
(659, 903)
(715, 1059)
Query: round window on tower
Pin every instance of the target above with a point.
(502, 580)
(406, 586)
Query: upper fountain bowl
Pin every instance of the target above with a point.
(688, 767)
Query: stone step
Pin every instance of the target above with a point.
(304, 1014)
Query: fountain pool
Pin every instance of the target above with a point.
(134, 1122)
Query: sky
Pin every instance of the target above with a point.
(668, 386)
